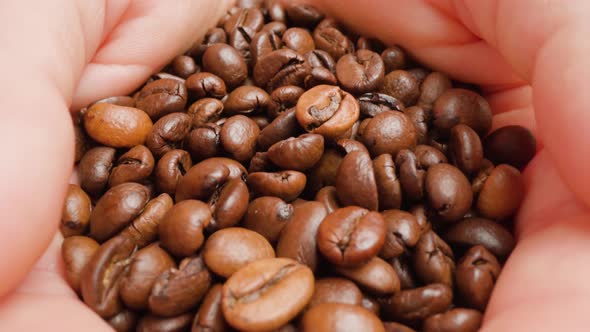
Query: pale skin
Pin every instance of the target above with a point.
(531, 56)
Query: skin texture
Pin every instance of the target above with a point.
(70, 53)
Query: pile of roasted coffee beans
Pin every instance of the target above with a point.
(286, 174)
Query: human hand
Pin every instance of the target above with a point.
(531, 57)
(56, 55)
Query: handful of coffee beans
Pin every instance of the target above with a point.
(286, 174)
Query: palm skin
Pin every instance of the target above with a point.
(530, 56)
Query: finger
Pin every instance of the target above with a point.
(148, 35)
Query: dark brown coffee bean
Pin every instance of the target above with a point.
(204, 142)
(299, 237)
(209, 318)
(281, 128)
(454, 320)
(473, 231)
(376, 276)
(394, 58)
(402, 232)
(227, 63)
(457, 106)
(125, 321)
(144, 229)
(286, 185)
(203, 84)
(433, 260)
(117, 208)
(152, 323)
(170, 168)
(283, 99)
(303, 15)
(299, 40)
(184, 66)
(137, 281)
(476, 275)
(361, 72)
(404, 272)
(162, 97)
(465, 149)
(330, 39)
(389, 132)
(351, 236)
(240, 39)
(501, 194)
(228, 204)
(268, 216)
(411, 175)
(418, 303)
(320, 76)
(434, 85)
(373, 103)
(177, 291)
(365, 43)
(116, 100)
(324, 172)
(297, 153)
(388, 185)
(355, 181)
(280, 68)
(77, 252)
(419, 73)
(238, 137)
(264, 42)
(448, 191)
(402, 85)
(135, 165)
(340, 317)
(266, 294)
(260, 163)
(181, 230)
(427, 156)
(251, 18)
(246, 100)
(117, 126)
(396, 327)
(212, 36)
(276, 26)
(101, 278)
(75, 216)
(320, 59)
(421, 119)
(328, 196)
(168, 133)
(512, 145)
(335, 290)
(205, 111)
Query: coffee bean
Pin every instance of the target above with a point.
(421, 118)
(335, 290)
(404, 272)
(340, 317)
(117, 126)
(170, 168)
(227, 63)
(267, 216)
(394, 58)
(209, 318)
(402, 85)
(376, 276)
(351, 236)
(177, 291)
(125, 321)
(75, 216)
(396, 327)
(81, 144)
(361, 72)
(389, 132)
(204, 142)
(181, 230)
(246, 100)
(264, 42)
(240, 39)
(388, 185)
(297, 153)
(298, 237)
(455, 320)
(418, 303)
(204, 111)
(501, 194)
(411, 175)
(299, 40)
(328, 196)
(433, 260)
(266, 294)
(303, 15)
(203, 84)
(448, 191)
(135, 165)
(419, 73)
(77, 252)
(330, 39)
(280, 68)
(283, 99)
(474, 231)
(476, 275)
(286, 185)
(260, 163)
(144, 229)
(434, 85)
(276, 26)
(324, 172)
(373, 103)
(281, 128)
(152, 323)
(162, 97)
(355, 181)
(319, 76)
(364, 43)
(460, 106)
(184, 66)
(212, 36)
(238, 137)
(402, 233)
(251, 18)
(168, 133)
(465, 148)
(370, 304)
(512, 145)
(140, 276)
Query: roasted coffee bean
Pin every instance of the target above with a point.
(263, 43)
(75, 216)
(177, 291)
(370, 304)
(427, 156)
(116, 100)
(281, 128)
(330, 39)
(125, 321)
(168, 133)
(419, 73)
(355, 181)
(299, 237)
(238, 137)
(396, 327)
(137, 281)
(512, 145)
(101, 277)
(203, 84)
(81, 143)
(240, 39)
(251, 18)
(320, 59)
(261, 121)
(364, 43)
(433, 260)
(184, 66)
(280, 68)
(388, 185)
(324, 172)
(246, 100)
(303, 15)
(421, 119)
(460, 106)
(117, 208)
(209, 318)
(360, 72)
(117, 126)
(204, 142)
(181, 229)
(320, 76)
(162, 97)
(144, 229)
(394, 58)
(502, 191)
(170, 168)
(402, 233)
(476, 275)
(411, 175)
(351, 236)
(335, 290)
(465, 149)
(340, 317)
(228, 204)
(276, 26)
(135, 165)
(77, 252)
(260, 163)
(373, 103)
(205, 111)
(299, 40)
(328, 196)
(389, 132)
(434, 85)
(417, 304)
(268, 216)
(454, 320)
(266, 294)
(212, 36)
(402, 85)
(286, 185)
(404, 272)
(227, 63)
(448, 191)
(283, 99)
(479, 231)
(297, 153)
(153, 323)
(376, 276)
